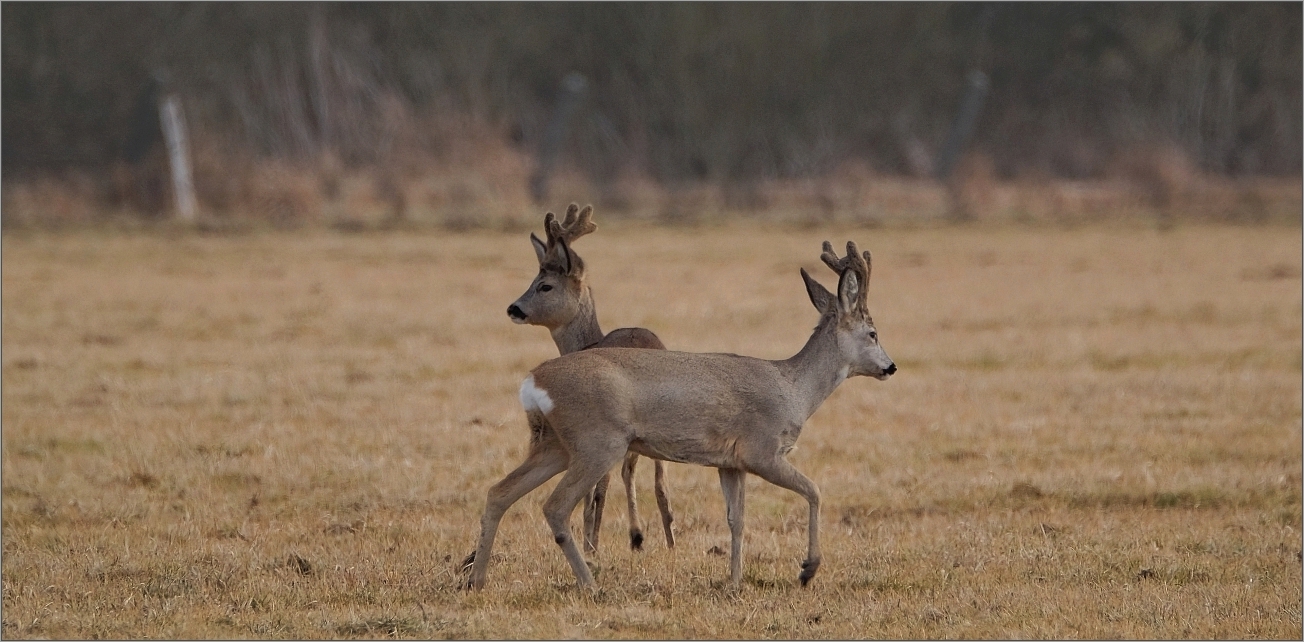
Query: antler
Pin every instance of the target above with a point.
(850, 260)
(577, 223)
(831, 259)
(853, 260)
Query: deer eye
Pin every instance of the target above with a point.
(545, 287)
(873, 335)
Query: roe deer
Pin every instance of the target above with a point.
(560, 299)
(737, 414)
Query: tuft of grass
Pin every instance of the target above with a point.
(384, 626)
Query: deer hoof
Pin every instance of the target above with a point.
(636, 540)
(808, 569)
(468, 584)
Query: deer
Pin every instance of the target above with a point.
(561, 300)
(740, 415)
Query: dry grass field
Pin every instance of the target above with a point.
(1094, 433)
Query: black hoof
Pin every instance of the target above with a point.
(807, 572)
(636, 541)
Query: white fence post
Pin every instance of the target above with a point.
(174, 134)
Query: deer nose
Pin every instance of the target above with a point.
(515, 312)
(891, 369)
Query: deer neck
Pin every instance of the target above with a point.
(582, 331)
(819, 368)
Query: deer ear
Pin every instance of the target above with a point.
(569, 262)
(540, 250)
(819, 295)
(556, 258)
(848, 290)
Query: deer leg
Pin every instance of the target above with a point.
(541, 465)
(593, 507)
(733, 485)
(585, 470)
(779, 472)
(590, 507)
(663, 503)
(635, 524)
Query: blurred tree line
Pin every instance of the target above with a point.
(677, 91)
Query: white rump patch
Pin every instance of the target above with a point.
(534, 398)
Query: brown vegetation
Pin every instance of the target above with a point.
(1094, 433)
(730, 94)
(483, 185)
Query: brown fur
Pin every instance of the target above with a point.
(560, 299)
(737, 414)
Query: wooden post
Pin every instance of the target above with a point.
(962, 127)
(174, 134)
(572, 89)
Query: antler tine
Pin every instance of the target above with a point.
(555, 231)
(869, 264)
(570, 215)
(830, 259)
(550, 228)
(861, 265)
(853, 257)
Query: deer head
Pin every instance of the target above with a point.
(848, 312)
(559, 292)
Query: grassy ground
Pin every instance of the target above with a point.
(1094, 433)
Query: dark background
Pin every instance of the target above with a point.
(684, 91)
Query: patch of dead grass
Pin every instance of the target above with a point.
(1094, 433)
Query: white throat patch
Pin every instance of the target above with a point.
(534, 398)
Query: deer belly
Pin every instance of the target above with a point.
(701, 452)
